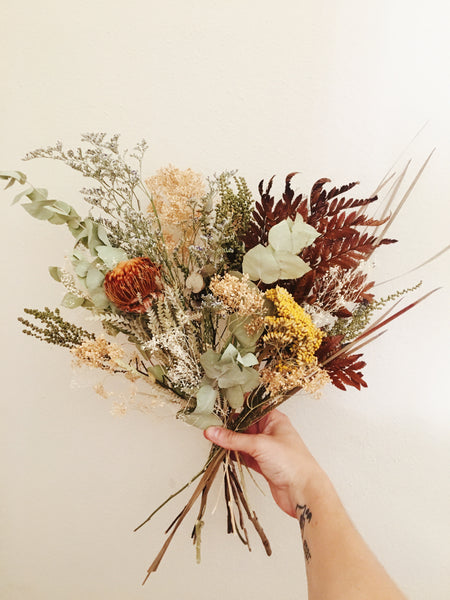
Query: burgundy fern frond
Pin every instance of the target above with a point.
(262, 217)
(339, 204)
(329, 346)
(344, 371)
(266, 213)
(346, 252)
(344, 188)
(288, 206)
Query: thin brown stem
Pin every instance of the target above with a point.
(251, 515)
(205, 481)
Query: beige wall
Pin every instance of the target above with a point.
(334, 89)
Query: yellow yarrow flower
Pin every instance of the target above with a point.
(291, 330)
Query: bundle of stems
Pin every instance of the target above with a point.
(237, 504)
(257, 406)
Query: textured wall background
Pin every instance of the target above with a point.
(334, 89)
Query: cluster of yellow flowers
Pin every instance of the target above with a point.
(98, 353)
(291, 331)
(295, 339)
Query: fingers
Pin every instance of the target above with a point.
(230, 440)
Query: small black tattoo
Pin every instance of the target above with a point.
(305, 515)
(306, 551)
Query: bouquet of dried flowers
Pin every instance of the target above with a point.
(219, 304)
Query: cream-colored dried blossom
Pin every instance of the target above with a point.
(155, 396)
(175, 351)
(322, 319)
(119, 409)
(99, 389)
(237, 294)
(172, 191)
(98, 353)
(340, 288)
(309, 377)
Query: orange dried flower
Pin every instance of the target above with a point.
(133, 284)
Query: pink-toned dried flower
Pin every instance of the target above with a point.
(98, 353)
(172, 191)
(133, 284)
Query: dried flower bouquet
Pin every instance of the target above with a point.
(219, 304)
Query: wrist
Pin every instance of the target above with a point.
(317, 486)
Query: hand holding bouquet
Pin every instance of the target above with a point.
(210, 300)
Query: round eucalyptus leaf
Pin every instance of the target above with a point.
(248, 359)
(100, 299)
(102, 235)
(201, 421)
(231, 375)
(291, 266)
(81, 267)
(303, 235)
(55, 272)
(111, 256)
(234, 396)
(251, 380)
(229, 354)
(280, 237)
(206, 398)
(71, 301)
(210, 363)
(237, 326)
(260, 263)
(39, 210)
(94, 278)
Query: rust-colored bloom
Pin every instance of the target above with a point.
(133, 284)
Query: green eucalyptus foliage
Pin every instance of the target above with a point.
(201, 420)
(93, 255)
(279, 260)
(237, 327)
(203, 415)
(231, 372)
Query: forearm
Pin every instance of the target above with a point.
(339, 565)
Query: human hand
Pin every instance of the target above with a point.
(273, 448)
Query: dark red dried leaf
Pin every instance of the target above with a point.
(343, 371)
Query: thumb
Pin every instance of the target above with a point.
(230, 440)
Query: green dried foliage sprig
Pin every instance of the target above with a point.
(55, 329)
(352, 326)
(233, 215)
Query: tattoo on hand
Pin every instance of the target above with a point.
(305, 515)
